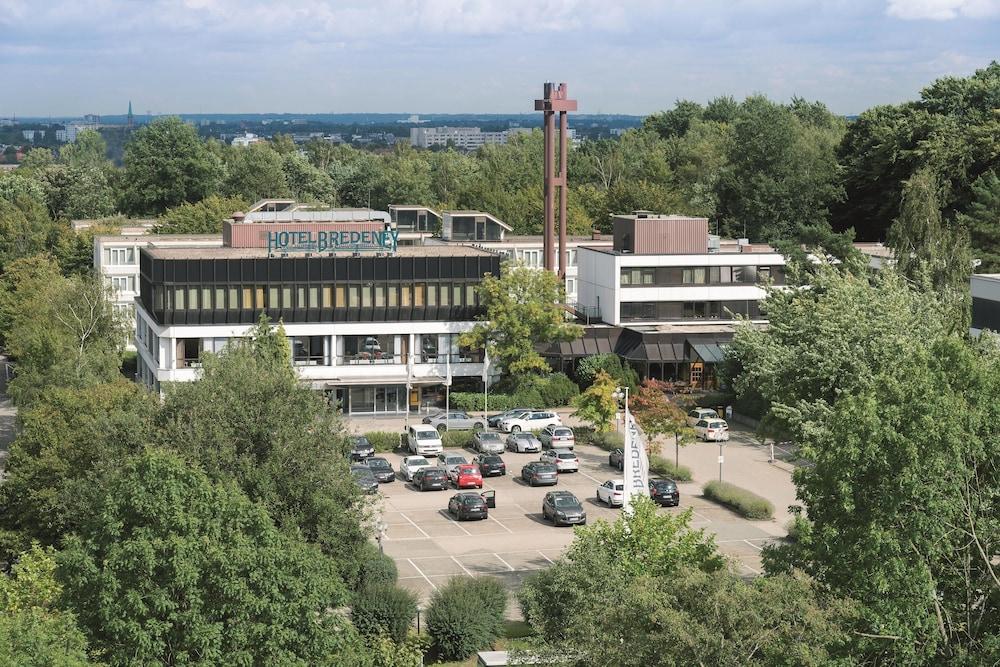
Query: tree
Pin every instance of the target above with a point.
(37, 159)
(167, 164)
(25, 229)
(890, 408)
(171, 568)
(88, 151)
(610, 363)
(308, 183)
(254, 172)
(523, 310)
(68, 441)
(465, 616)
(250, 422)
(597, 405)
(675, 122)
(203, 217)
(66, 333)
(982, 219)
(34, 632)
(602, 558)
(75, 249)
(659, 416)
(926, 251)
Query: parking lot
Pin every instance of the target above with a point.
(429, 546)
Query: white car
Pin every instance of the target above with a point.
(716, 430)
(698, 414)
(530, 421)
(424, 440)
(612, 492)
(450, 461)
(560, 437)
(412, 464)
(563, 459)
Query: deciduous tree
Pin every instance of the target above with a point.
(204, 217)
(596, 405)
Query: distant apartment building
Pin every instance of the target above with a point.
(246, 139)
(73, 130)
(463, 138)
(31, 134)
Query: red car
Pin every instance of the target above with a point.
(466, 476)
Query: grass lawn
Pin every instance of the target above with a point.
(513, 630)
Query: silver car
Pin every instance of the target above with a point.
(524, 441)
(455, 421)
(450, 462)
(487, 442)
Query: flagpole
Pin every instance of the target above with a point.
(447, 392)
(486, 382)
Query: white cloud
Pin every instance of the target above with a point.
(942, 10)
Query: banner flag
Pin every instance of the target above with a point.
(636, 463)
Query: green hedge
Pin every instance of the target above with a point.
(550, 391)
(377, 570)
(384, 441)
(607, 441)
(743, 502)
(384, 609)
(662, 466)
(456, 439)
(465, 616)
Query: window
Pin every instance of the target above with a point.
(404, 296)
(428, 348)
(380, 296)
(206, 298)
(366, 296)
(393, 295)
(220, 298)
(158, 297)
(119, 256)
(123, 283)
(272, 297)
(763, 274)
(470, 295)
(192, 298)
(694, 276)
(456, 293)
(300, 292)
(259, 300)
(432, 295)
(179, 298)
(327, 297)
(572, 258)
(418, 295)
(445, 295)
(341, 294)
(353, 296)
(308, 350)
(570, 286)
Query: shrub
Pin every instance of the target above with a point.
(375, 570)
(607, 441)
(743, 502)
(466, 616)
(662, 466)
(556, 390)
(384, 441)
(384, 609)
(456, 439)
(589, 367)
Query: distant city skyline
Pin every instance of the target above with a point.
(63, 59)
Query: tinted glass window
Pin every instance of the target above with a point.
(545, 468)
(564, 501)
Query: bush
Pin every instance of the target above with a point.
(556, 390)
(466, 616)
(472, 401)
(662, 466)
(589, 367)
(384, 441)
(607, 441)
(375, 570)
(456, 439)
(384, 609)
(743, 502)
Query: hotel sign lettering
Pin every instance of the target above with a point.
(333, 241)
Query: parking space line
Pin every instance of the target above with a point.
(551, 562)
(460, 526)
(501, 525)
(521, 508)
(701, 516)
(593, 479)
(461, 566)
(757, 572)
(421, 573)
(509, 566)
(415, 525)
(754, 545)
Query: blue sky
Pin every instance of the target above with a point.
(485, 56)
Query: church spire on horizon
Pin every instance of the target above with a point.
(130, 117)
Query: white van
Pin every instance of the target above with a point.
(423, 440)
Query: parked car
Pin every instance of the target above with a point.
(411, 464)
(557, 436)
(360, 448)
(381, 468)
(455, 421)
(431, 478)
(493, 421)
(562, 507)
(490, 465)
(364, 478)
(466, 476)
(616, 459)
(487, 442)
(696, 415)
(538, 472)
(423, 440)
(468, 506)
(612, 492)
(563, 459)
(450, 461)
(530, 421)
(716, 430)
(523, 441)
(664, 492)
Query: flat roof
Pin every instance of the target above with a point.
(153, 238)
(987, 276)
(752, 249)
(262, 253)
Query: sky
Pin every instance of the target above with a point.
(70, 57)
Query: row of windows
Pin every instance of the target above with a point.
(290, 297)
(662, 276)
(122, 283)
(119, 256)
(533, 256)
(688, 310)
